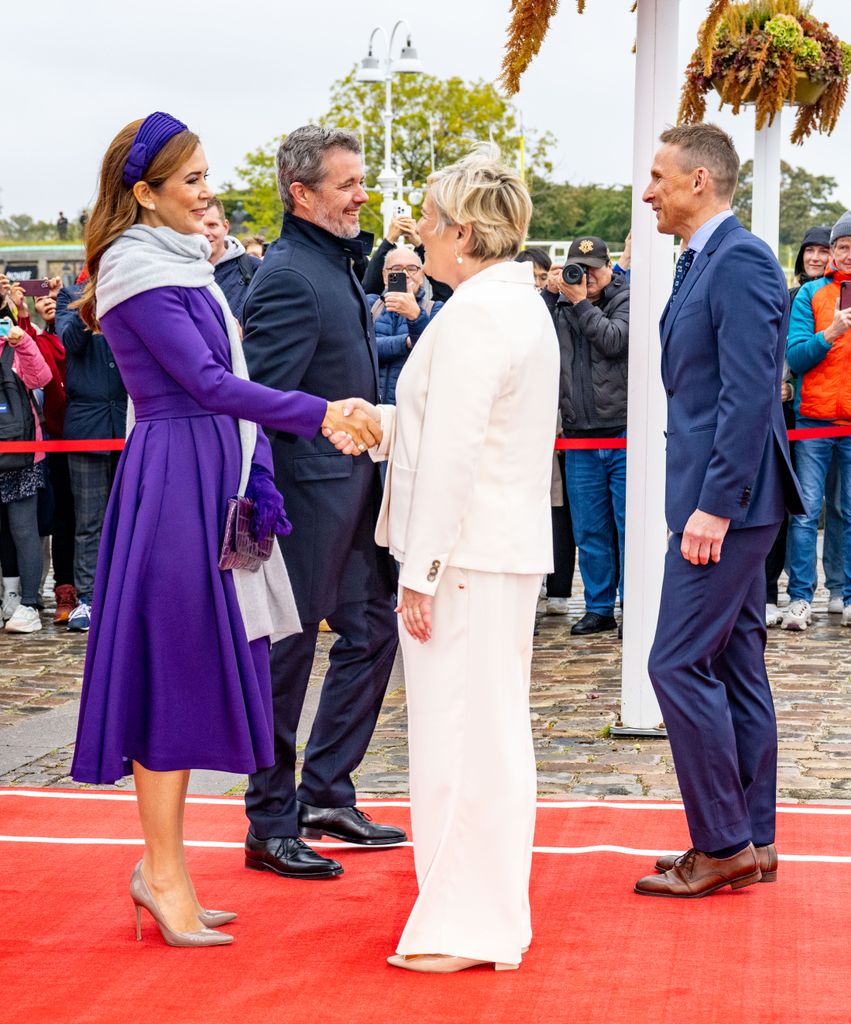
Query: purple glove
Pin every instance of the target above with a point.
(268, 514)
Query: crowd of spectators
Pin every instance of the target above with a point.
(52, 509)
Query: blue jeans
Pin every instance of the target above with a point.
(812, 461)
(596, 489)
(831, 558)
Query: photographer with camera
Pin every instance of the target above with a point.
(56, 501)
(22, 370)
(592, 323)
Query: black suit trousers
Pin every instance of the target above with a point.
(361, 660)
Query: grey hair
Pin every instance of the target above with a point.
(407, 249)
(301, 157)
(706, 145)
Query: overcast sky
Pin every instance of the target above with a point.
(240, 73)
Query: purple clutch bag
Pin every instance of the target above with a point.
(240, 550)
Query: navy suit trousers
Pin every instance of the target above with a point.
(707, 666)
(360, 664)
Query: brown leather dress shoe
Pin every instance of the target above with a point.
(766, 855)
(696, 874)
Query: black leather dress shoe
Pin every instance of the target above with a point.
(348, 824)
(288, 856)
(591, 622)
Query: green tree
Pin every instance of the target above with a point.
(258, 191)
(455, 112)
(564, 211)
(805, 200)
(23, 228)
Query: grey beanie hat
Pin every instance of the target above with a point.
(842, 228)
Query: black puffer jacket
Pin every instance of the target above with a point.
(594, 343)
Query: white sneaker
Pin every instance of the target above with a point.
(557, 605)
(836, 606)
(773, 615)
(846, 616)
(11, 595)
(797, 616)
(24, 620)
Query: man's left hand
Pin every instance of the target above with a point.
(702, 538)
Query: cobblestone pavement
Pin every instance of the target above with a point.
(575, 700)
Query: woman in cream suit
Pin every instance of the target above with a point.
(466, 513)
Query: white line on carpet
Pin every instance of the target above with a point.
(543, 805)
(572, 850)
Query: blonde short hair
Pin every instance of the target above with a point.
(487, 195)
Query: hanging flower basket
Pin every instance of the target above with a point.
(769, 53)
(807, 91)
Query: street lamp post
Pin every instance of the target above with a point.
(374, 70)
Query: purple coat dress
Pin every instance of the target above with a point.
(171, 679)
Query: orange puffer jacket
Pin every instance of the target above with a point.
(824, 369)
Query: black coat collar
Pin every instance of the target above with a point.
(357, 248)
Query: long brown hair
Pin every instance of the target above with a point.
(116, 208)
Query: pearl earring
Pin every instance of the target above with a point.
(458, 258)
(151, 206)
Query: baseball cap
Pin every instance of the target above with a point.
(589, 250)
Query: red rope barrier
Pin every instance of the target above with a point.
(588, 443)
(90, 445)
(561, 444)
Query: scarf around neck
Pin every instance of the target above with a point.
(143, 258)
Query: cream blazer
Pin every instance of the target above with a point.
(470, 441)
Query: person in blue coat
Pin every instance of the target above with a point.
(234, 267)
(97, 408)
(400, 318)
(729, 482)
(308, 325)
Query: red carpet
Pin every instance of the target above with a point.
(314, 951)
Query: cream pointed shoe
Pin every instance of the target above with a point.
(438, 963)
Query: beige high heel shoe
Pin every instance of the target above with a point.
(216, 918)
(143, 897)
(439, 963)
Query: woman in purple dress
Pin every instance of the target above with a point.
(177, 667)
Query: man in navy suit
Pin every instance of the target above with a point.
(729, 479)
(308, 327)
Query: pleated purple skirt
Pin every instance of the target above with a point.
(170, 679)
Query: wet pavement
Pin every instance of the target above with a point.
(574, 702)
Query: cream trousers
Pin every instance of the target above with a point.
(473, 782)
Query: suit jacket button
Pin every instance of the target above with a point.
(670, 392)
(432, 576)
(435, 565)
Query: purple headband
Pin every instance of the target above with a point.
(154, 132)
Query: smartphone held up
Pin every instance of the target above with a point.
(397, 281)
(35, 289)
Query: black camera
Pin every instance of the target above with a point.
(572, 273)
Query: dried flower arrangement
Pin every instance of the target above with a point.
(769, 52)
(530, 20)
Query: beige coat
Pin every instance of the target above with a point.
(470, 442)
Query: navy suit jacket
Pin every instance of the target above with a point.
(723, 344)
(308, 328)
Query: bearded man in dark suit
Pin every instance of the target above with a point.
(308, 327)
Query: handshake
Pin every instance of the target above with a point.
(352, 425)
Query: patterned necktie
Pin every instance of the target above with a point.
(683, 266)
